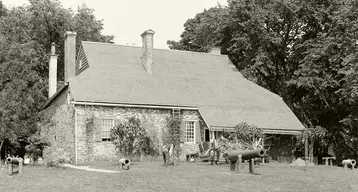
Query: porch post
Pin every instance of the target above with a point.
(212, 134)
(306, 152)
(263, 145)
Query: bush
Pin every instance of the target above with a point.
(57, 156)
(147, 147)
(245, 136)
(36, 146)
(130, 138)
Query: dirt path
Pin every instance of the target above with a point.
(87, 168)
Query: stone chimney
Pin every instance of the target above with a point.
(215, 50)
(52, 81)
(147, 50)
(70, 55)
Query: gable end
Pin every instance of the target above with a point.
(81, 62)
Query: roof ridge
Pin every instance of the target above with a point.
(194, 52)
(159, 49)
(112, 44)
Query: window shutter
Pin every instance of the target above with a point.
(97, 125)
(197, 132)
(182, 132)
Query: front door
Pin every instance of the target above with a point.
(207, 135)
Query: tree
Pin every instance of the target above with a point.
(52, 20)
(201, 32)
(21, 87)
(88, 28)
(3, 9)
(36, 146)
(305, 51)
(26, 35)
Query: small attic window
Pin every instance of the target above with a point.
(80, 64)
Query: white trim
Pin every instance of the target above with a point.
(131, 105)
(265, 131)
(194, 122)
(104, 119)
(282, 132)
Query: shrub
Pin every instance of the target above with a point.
(249, 136)
(146, 147)
(36, 146)
(130, 138)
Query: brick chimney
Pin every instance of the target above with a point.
(147, 50)
(215, 50)
(52, 81)
(70, 55)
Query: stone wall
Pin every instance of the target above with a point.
(58, 129)
(154, 120)
(191, 147)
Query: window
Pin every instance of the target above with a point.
(107, 125)
(189, 132)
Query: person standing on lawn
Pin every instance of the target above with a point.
(168, 151)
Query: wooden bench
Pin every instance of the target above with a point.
(329, 160)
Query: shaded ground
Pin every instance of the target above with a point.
(151, 176)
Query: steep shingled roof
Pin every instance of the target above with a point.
(181, 78)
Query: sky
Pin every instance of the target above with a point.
(127, 19)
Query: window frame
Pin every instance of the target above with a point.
(186, 130)
(102, 129)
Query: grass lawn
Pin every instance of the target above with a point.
(199, 176)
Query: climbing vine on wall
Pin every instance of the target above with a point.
(172, 133)
(57, 128)
(89, 121)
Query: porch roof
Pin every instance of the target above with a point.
(275, 121)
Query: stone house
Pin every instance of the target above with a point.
(114, 82)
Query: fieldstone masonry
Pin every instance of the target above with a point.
(154, 120)
(60, 133)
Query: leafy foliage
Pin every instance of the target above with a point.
(130, 138)
(305, 51)
(26, 35)
(314, 135)
(172, 132)
(248, 135)
(36, 146)
(201, 32)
